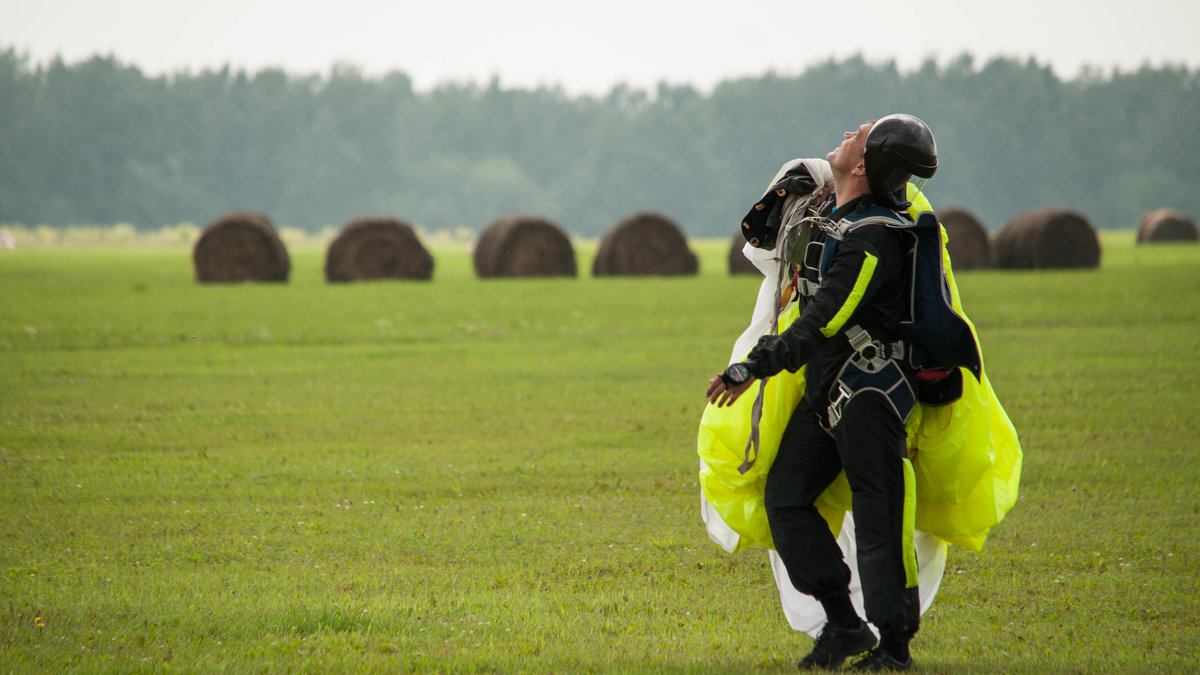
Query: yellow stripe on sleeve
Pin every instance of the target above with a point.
(856, 295)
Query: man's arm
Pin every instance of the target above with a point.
(850, 281)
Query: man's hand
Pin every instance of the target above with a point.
(723, 395)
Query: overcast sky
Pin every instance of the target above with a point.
(589, 47)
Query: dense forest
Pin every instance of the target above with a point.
(99, 142)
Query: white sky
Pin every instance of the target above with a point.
(588, 47)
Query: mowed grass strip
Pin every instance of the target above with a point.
(500, 476)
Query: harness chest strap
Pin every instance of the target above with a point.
(871, 349)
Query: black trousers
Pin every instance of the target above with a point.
(869, 443)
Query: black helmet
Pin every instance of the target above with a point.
(898, 147)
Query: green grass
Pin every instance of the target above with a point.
(500, 476)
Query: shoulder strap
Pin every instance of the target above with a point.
(874, 216)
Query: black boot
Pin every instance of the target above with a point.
(879, 661)
(836, 643)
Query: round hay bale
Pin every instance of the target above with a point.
(968, 245)
(738, 262)
(1047, 238)
(524, 246)
(240, 246)
(644, 243)
(1166, 225)
(377, 248)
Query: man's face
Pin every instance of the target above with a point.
(849, 154)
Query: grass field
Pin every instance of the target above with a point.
(500, 476)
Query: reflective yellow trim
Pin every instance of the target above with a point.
(919, 203)
(856, 295)
(910, 518)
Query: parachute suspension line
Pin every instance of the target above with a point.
(752, 443)
(797, 213)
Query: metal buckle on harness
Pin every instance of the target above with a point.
(823, 223)
(860, 341)
(835, 409)
(873, 353)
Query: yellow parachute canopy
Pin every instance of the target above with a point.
(966, 456)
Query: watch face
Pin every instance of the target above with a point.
(739, 373)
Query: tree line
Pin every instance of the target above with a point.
(99, 142)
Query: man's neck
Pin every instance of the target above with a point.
(847, 188)
(845, 197)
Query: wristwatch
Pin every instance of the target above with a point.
(735, 375)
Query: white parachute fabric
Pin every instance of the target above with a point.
(718, 530)
(805, 614)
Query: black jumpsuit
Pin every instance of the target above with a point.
(863, 285)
